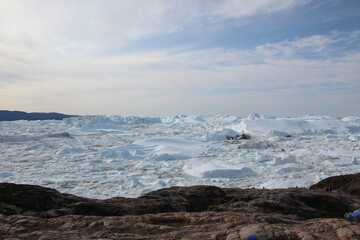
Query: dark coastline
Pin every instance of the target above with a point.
(6, 115)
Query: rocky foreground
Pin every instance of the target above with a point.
(198, 212)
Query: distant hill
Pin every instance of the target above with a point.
(18, 115)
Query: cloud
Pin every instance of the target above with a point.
(234, 8)
(44, 30)
(74, 58)
(43, 26)
(187, 79)
(314, 46)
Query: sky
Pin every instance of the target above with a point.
(170, 57)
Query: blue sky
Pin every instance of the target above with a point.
(168, 57)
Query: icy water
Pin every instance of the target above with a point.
(103, 157)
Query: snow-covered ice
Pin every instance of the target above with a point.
(103, 157)
(213, 170)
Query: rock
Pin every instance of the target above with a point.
(305, 236)
(238, 137)
(303, 203)
(18, 198)
(197, 212)
(60, 135)
(346, 183)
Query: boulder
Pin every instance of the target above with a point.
(345, 183)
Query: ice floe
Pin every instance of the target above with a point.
(108, 156)
(214, 170)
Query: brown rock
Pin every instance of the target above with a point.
(198, 212)
(16, 198)
(346, 183)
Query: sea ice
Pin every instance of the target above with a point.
(6, 174)
(170, 148)
(66, 151)
(284, 159)
(159, 184)
(220, 135)
(213, 170)
(102, 157)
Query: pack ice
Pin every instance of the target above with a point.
(108, 156)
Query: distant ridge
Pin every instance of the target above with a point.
(6, 115)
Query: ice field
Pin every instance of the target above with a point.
(103, 157)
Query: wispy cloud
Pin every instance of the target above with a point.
(75, 58)
(43, 26)
(314, 46)
(203, 72)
